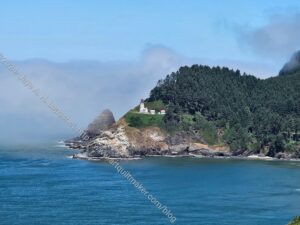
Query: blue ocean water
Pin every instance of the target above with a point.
(41, 185)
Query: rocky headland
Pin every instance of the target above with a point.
(105, 138)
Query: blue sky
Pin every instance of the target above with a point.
(91, 55)
(120, 30)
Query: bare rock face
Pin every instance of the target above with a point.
(103, 122)
(120, 141)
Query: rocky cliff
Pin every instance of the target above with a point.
(105, 138)
(119, 140)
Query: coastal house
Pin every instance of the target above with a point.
(145, 110)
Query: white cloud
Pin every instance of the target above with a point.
(277, 39)
(83, 89)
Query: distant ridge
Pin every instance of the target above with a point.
(291, 66)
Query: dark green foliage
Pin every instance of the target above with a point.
(254, 114)
(156, 105)
(206, 128)
(138, 120)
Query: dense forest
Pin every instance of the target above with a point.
(240, 110)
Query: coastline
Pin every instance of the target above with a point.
(84, 156)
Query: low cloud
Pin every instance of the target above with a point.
(82, 89)
(277, 39)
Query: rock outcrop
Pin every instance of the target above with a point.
(103, 122)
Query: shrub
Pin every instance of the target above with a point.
(296, 221)
(138, 120)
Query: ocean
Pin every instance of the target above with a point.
(40, 184)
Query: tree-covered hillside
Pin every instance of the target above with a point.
(240, 110)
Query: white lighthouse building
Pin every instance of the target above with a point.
(143, 109)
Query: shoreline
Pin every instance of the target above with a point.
(211, 154)
(250, 157)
